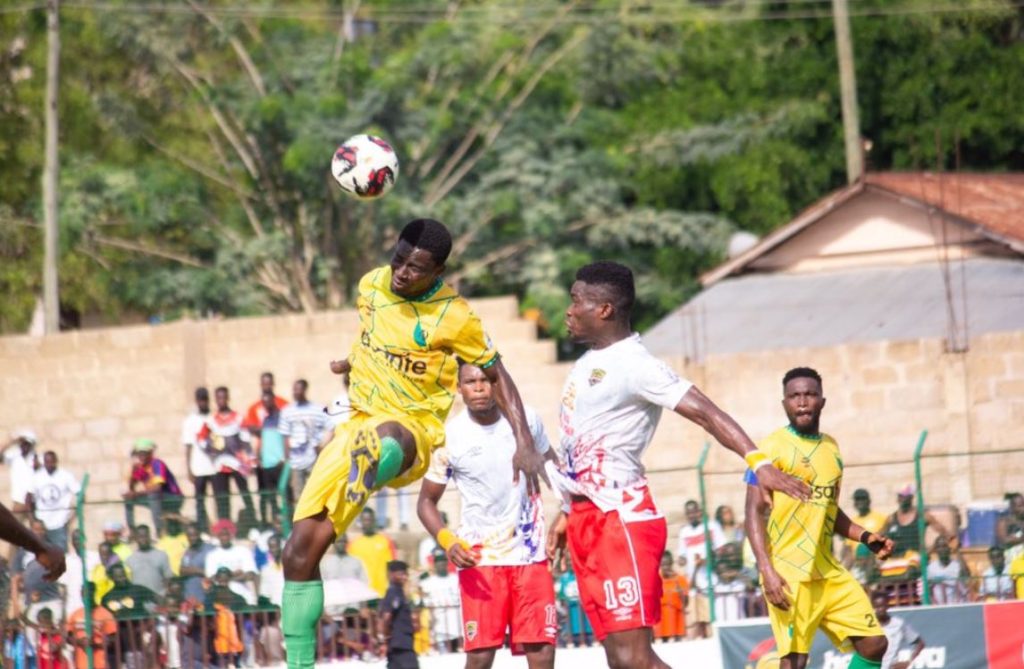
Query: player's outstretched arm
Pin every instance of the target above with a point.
(426, 508)
(48, 555)
(878, 544)
(698, 408)
(526, 461)
(775, 588)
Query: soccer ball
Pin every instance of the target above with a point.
(365, 167)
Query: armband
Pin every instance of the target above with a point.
(756, 460)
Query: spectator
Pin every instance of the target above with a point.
(149, 566)
(234, 455)
(224, 601)
(100, 574)
(340, 564)
(1010, 528)
(20, 458)
(272, 573)
(30, 580)
(872, 521)
(151, 484)
(269, 455)
(441, 595)
(396, 624)
(996, 583)
(237, 559)
(865, 567)
(374, 550)
(50, 641)
(71, 579)
(103, 629)
(693, 540)
(18, 652)
(732, 531)
(1017, 574)
(113, 534)
(674, 597)
(402, 497)
(51, 497)
(257, 410)
(193, 564)
(127, 600)
(202, 472)
(898, 633)
(901, 526)
(577, 626)
(946, 575)
(302, 424)
(174, 542)
(729, 587)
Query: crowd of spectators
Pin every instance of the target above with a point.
(176, 590)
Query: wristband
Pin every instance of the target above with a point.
(864, 536)
(756, 460)
(446, 539)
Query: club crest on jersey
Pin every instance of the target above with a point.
(596, 376)
(471, 629)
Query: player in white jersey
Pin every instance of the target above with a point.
(499, 547)
(611, 404)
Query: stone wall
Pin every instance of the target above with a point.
(89, 394)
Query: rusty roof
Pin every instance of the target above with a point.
(992, 204)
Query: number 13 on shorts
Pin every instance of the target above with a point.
(625, 592)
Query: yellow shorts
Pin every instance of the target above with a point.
(343, 476)
(838, 605)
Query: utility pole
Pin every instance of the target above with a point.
(51, 299)
(848, 92)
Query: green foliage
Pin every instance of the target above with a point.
(195, 143)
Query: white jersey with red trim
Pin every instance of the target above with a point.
(611, 405)
(499, 518)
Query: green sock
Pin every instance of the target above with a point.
(859, 662)
(391, 456)
(302, 604)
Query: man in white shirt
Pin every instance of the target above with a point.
(52, 499)
(611, 404)
(946, 575)
(302, 424)
(693, 541)
(899, 634)
(996, 582)
(499, 546)
(441, 596)
(272, 573)
(20, 458)
(236, 558)
(195, 436)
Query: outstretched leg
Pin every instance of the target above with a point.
(350, 467)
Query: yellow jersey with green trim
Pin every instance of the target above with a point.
(405, 359)
(800, 533)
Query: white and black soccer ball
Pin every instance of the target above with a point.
(365, 166)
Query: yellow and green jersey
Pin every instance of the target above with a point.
(405, 358)
(800, 533)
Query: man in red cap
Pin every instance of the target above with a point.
(235, 557)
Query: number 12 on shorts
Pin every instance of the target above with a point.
(622, 593)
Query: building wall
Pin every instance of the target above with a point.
(90, 394)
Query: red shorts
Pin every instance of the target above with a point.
(520, 597)
(617, 568)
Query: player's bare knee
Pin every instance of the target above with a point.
(626, 657)
(541, 656)
(480, 659)
(872, 647)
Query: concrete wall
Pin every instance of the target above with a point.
(90, 394)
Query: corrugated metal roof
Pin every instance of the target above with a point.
(759, 312)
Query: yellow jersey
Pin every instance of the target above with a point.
(800, 533)
(405, 359)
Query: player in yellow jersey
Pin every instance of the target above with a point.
(402, 372)
(805, 585)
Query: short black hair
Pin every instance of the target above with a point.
(429, 235)
(267, 375)
(617, 278)
(142, 528)
(801, 373)
(397, 565)
(223, 389)
(305, 383)
(691, 502)
(202, 393)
